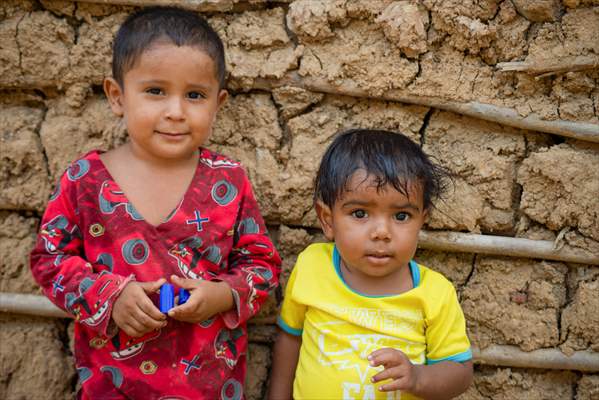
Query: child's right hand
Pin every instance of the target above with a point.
(134, 312)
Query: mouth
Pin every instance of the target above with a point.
(379, 258)
(172, 134)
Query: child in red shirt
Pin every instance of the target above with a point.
(161, 207)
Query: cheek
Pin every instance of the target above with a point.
(352, 238)
(205, 118)
(407, 239)
(142, 115)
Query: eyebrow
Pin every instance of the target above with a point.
(353, 203)
(163, 82)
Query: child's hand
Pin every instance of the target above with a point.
(206, 299)
(398, 368)
(134, 312)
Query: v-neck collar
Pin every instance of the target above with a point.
(96, 154)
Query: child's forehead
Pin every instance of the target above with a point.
(158, 50)
(163, 44)
(363, 184)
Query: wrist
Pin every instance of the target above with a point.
(419, 383)
(225, 296)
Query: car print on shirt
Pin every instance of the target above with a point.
(189, 254)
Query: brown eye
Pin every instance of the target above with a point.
(402, 216)
(154, 91)
(195, 95)
(359, 213)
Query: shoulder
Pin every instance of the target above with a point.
(80, 170)
(83, 165)
(313, 256)
(216, 160)
(312, 262)
(435, 284)
(78, 177)
(220, 169)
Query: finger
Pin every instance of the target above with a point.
(183, 310)
(389, 373)
(399, 384)
(146, 305)
(153, 286)
(387, 357)
(185, 283)
(377, 352)
(131, 329)
(147, 323)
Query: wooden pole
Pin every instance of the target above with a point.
(30, 304)
(512, 356)
(196, 5)
(551, 67)
(488, 112)
(504, 246)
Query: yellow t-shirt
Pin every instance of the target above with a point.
(340, 327)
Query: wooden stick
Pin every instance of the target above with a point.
(489, 112)
(197, 5)
(41, 306)
(30, 304)
(512, 356)
(504, 246)
(551, 67)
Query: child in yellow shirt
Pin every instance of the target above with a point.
(361, 319)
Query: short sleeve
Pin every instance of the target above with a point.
(291, 319)
(446, 331)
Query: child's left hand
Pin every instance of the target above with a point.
(398, 368)
(206, 299)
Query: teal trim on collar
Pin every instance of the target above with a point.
(415, 273)
(460, 357)
(287, 328)
(414, 270)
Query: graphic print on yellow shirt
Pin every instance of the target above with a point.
(340, 327)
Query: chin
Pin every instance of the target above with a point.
(175, 154)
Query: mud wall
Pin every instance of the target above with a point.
(301, 70)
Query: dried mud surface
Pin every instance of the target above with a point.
(507, 181)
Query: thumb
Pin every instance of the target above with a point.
(184, 283)
(152, 286)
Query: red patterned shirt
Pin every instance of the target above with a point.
(92, 242)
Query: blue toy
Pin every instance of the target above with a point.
(167, 297)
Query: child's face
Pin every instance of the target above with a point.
(376, 232)
(169, 101)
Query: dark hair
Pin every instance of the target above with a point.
(148, 25)
(389, 157)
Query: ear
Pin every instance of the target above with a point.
(325, 216)
(222, 98)
(114, 93)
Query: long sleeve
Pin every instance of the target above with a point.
(58, 263)
(254, 264)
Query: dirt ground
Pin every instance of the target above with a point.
(508, 181)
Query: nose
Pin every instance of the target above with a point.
(174, 110)
(380, 230)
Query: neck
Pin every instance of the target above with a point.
(151, 162)
(396, 283)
